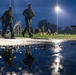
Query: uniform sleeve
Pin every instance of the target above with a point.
(33, 14)
(12, 16)
(24, 12)
(4, 15)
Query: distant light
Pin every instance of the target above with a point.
(0, 56)
(57, 8)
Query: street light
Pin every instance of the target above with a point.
(57, 8)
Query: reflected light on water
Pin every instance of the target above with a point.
(20, 68)
(57, 47)
(0, 56)
(57, 60)
(8, 73)
(58, 41)
(24, 74)
(14, 74)
(14, 56)
(56, 66)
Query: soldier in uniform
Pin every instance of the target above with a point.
(9, 20)
(28, 13)
(2, 19)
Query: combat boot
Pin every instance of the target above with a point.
(23, 34)
(12, 36)
(3, 36)
(30, 35)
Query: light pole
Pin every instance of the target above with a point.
(57, 8)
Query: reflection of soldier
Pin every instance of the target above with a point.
(28, 13)
(8, 57)
(29, 59)
(2, 19)
(9, 20)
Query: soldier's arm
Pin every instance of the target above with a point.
(0, 18)
(12, 16)
(23, 13)
(4, 15)
(33, 14)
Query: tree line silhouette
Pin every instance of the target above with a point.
(45, 26)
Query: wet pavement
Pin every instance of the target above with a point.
(57, 57)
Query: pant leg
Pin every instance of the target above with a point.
(11, 29)
(25, 27)
(28, 23)
(3, 27)
(25, 30)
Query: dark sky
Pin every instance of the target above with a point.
(44, 9)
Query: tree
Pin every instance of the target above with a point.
(67, 30)
(47, 25)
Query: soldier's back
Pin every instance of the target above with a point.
(8, 15)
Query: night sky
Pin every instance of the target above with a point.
(44, 9)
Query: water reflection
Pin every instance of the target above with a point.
(42, 53)
(56, 66)
(54, 58)
(29, 59)
(43, 46)
(8, 56)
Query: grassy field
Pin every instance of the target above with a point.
(57, 36)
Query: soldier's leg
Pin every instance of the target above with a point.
(23, 32)
(3, 27)
(28, 24)
(11, 29)
(29, 28)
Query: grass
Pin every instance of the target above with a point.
(57, 36)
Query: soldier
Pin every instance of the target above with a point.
(9, 20)
(2, 19)
(28, 13)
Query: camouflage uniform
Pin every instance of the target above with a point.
(9, 21)
(2, 18)
(28, 13)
